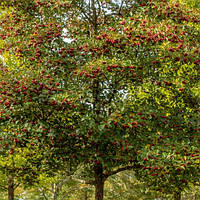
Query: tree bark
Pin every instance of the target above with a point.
(99, 183)
(94, 19)
(99, 190)
(86, 196)
(177, 195)
(11, 188)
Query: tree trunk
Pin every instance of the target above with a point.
(99, 182)
(86, 196)
(177, 195)
(11, 188)
(54, 191)
(99, 190)
(94, 19)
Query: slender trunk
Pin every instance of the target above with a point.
(86, 196)
(196, 197)
(55, 196)
(11, 188)
(55, 191)
(177, 195)
(99, 183)
(94, 19)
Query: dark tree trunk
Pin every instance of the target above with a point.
(177, 195)
(99, 183)
(11, 188)
(99, 190)
(94, 19)
(86, 196)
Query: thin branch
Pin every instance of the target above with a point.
(91, 182)
(84, 13)
(53, 188)
(66, 194)
(46, 188)
(87, 15)
(120, 170)
(62, 182)
(93, 22)
(16, 185)
(99, 10)
(43, 194)
(120, 8)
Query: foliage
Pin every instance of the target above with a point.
(122, 95)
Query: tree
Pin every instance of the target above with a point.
(190, 3)
(57, 187)
(18, 168)
(76, 98)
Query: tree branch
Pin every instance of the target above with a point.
(91, 182)
(66, 194)
(43, 194)
(16, 185)
(99, 11)
(87, 15)
(120, 170)
(120, 8)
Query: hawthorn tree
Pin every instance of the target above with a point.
(81, 99)
(19, 169)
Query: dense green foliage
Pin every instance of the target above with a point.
(122, 94)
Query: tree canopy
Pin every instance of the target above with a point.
(122, 94)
